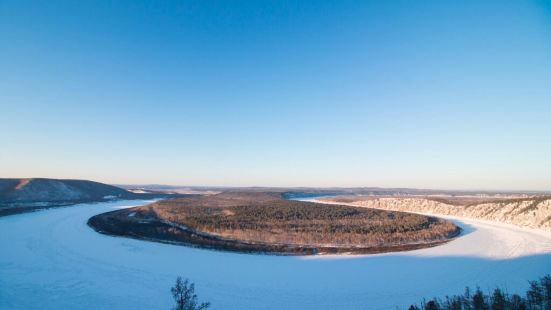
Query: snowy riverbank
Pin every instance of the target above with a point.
(53, 260)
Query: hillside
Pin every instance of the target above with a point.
(533, 212)
(266, 222)
(19, 195)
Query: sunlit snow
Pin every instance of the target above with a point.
(53, 260)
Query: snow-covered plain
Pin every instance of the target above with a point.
(53, 260)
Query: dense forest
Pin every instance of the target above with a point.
(266, 222)
(297, 222)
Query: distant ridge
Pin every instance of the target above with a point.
(20, 195)
(55, 190)
(305, 192)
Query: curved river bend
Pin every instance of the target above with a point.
(52, 260)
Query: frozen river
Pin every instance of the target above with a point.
(52, 260)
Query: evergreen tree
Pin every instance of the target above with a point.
(479, 300)
(432, 305)
(517, 303)
(498, 300)
(546, 288)
(456, 303)
(467, 305)
(534, 296)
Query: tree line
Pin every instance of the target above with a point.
(537, 297)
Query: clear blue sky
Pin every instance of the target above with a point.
(433, 94)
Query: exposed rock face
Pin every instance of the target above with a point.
(18, 191)
(528, 213)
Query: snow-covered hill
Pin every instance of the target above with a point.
(54, 190)
(529, 213)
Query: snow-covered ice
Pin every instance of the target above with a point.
(53, 260)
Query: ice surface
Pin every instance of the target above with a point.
(53, 260)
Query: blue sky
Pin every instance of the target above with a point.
(432, 94)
